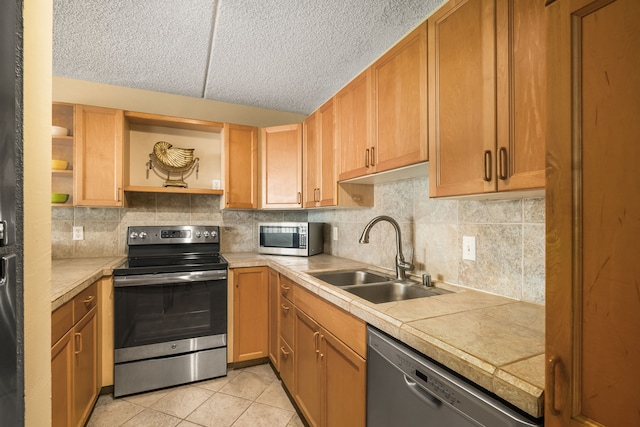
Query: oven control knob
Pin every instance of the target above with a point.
(213, 234)
(133, 235)
(198, 234)
(206, 234)
(143, 235)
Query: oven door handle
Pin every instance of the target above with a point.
(168, 278)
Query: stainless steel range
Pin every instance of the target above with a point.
(170, 308)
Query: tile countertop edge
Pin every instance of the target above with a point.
(72, 276)
(517, 390)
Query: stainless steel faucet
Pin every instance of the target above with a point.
(401, 265)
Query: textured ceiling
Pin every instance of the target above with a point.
(288, 55)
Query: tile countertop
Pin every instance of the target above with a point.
(71, 276)
(495, 342)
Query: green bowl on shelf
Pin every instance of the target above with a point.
(59, 198)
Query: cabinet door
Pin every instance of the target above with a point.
(328, 178)
(462, 92)
(307, 389)
(282, 166)
(353, 127)
(312, 161)
(521, 65)
(592, 269)
(85, 390)
(99, 154)
(62, 381)
(241, 166)
(344, 377)
(400, 103)
(250, 317)
(274, 318)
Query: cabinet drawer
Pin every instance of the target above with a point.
(351, 330)
(286, 320)
(84, 302)
(286, 287)
(61, 322)
(286, 364)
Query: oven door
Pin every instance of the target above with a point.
(187, 311)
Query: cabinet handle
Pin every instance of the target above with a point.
(503, 165)
(373, 156)
(318, 198)
(78, 342)
(366, 158)
(284, 352)
(299, 197)
(552, 366)
(487, 166)
(89, 300)
(285, 307)
(285, 288)
(316, 335)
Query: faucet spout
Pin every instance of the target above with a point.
(401, 265)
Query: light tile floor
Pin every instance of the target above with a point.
(246, 397)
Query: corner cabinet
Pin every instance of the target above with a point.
(281, 152)
(593, 217)
(241, 166)
(74, 359)
(99, 169)
(487, 89)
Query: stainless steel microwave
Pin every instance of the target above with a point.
(291, 238)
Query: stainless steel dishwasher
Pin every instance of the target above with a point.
(405, 388)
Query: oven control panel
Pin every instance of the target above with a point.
(162, 234)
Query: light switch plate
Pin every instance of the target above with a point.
(469, 248)
(334, 233)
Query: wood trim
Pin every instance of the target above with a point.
(173, 122)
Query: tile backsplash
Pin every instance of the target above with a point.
(510, 234)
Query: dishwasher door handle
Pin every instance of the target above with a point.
(421, 393)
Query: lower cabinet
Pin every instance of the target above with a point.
(74, 359)
(322, 358)
(250, 289)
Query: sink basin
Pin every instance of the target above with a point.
(351, 277)
(393, 291)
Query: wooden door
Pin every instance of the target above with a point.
(328, 177)
(462, 92)
(62, 381)
(593, 213)
(241, 166)
(344, 375)
(312, 157)
(85, 377)
(250, 318)
(282, 166)
(99, 156)
(400, 103)
(307, 389)
(521, 100)
(274, 318)
(353, 127)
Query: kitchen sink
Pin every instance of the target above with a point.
(394, 291)
(351, 277)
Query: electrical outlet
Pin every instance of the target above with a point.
(78, 232)
(334, 233)
(469, 248)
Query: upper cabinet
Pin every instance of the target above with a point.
(353, 127)
(399, 81)
(99, 156)
(241, 166)
(319, 158)
(486, 97)
(593, 218)
(281, 154)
